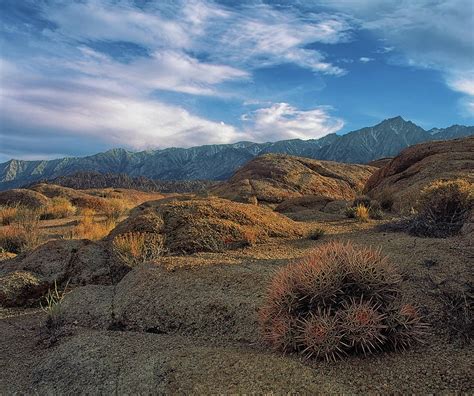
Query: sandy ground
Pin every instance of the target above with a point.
(84, 360)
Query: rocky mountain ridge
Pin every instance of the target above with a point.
(218, 162)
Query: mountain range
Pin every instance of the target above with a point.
(218, 162)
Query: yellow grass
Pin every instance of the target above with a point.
(89, 228)
(115, 208)
(135, 248)
(362, 213)
(58, 208)
(8, 214)
(23, 234)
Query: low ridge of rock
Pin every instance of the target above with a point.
(401, 180)
(190, 225)
(272, 178)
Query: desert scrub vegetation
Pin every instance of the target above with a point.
(89, 228)
(136, 248)
(58, 208)
(316, 234)
(442, 208)
(8, 214)
(115, 208)
(23, 233)
(342, 299)
(52, 305)
(363, 208)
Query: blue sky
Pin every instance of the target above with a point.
(78, 77)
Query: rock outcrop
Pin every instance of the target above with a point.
(273, 178)
(190, 225)
(400, 181)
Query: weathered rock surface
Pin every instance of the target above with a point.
(404, 177)
(272, 178)
(77, 262)
(191, 225)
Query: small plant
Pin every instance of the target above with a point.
(115, 208)
(316, 234)
(363, 208)
(135, 248)
(362, 213)
(13, 239)
(376, 214)
(350, 212)
(23, 234)
(59, 208)
(442, 208)
(89, 228)
(340, 300)
(363, 200)
(8, 214)
(52, 305)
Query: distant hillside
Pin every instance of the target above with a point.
(218, 162)
(89, 180)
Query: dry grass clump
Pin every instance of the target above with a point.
(363, 208)
(362, 213)
(13, 239)
(8, 214)
(23, 234)
(115, 208)
(52, 306)
(136, 248)
(443, 208)
(316, 234)
(89, 228)
(58, 208)
(341, 299)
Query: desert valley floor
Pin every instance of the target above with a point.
(187, 322)
(222, 354)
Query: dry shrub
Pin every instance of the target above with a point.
(58, 208)
(89, 228)
(8, 214)
(316, 234)
(13, 239)
(23, 234)
(443, 208)
(362, 213)
(363, 200)
(89, 202)
(115, 208)
(341, 299)
(136, 248)
(363, 208)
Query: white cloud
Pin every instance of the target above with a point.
(167, 70)
(69, 85)
(365, 59)
(464, 84)
(283, 121)
(118, 120)
(263, 36)
(252, 37)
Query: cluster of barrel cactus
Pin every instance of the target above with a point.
(341, 299)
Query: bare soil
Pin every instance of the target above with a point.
(208, 341)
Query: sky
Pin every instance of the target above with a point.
(80, 77)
